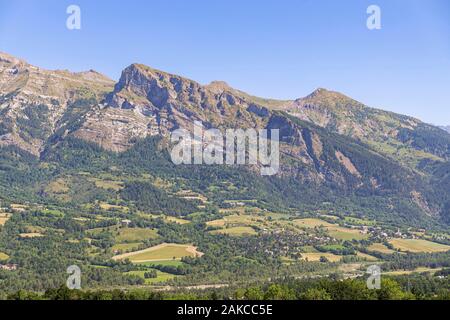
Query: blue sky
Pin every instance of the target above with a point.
(280, 49)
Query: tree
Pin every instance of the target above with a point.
(316, 294)
(254, 293)
(278, 292)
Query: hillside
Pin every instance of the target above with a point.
(446, 128)
(329, 141)
(36, 103)
(86, 178)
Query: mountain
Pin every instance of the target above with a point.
(35, 103)
(446, 128)
(336, 153)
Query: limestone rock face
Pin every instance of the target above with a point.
(147, 102)
(39, 108)
(35, 103)
(446, 128)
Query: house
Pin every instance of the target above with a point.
(8, 267)
(126, 223)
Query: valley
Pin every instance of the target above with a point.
(86, 179)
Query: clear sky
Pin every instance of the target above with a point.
(271, 48)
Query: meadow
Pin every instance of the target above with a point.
(162, 252)
(418, 245)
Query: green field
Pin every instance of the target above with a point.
(136, 234)
(418, 245)
(107, 184)
(315, 256)
(161, 276)
(312, 223)
(126, 246)
(334, 230)
(359, 221)
(417, 270)
(379, 247)
(342, 233)
(165, 251)
(366, 256)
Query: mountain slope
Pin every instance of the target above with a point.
(336, 153)
(446, 128)
(400, 137)
(35, 103)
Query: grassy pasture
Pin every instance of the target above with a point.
(235, 219)
(135, 234)
(418, 245)
(342, 233)
(334, 230)
(359, 222)
(315, 256)
(161, 276)
(3, 256)
(126, 246)
(4, 217)
(107, 184)
(311, 223)
(108, 206)
(162, 252)
(176, 220)
(379, 247)
(417, 270)
(366, 256)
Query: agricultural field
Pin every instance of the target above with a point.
(315, 256)
(31, 235)
(107, 184)
(108, 207)
(342, 233)
(3, 256)
(162, 252)
(160, 276)
(379, 247)
(169, 219)
(135, 234)
(359, 221)
(176, 220)
(334, 230)
(365, 256)
(4, 217)
(236, 219)
(415, 271)
(418, 245)
(312, 223)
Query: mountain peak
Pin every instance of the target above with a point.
(5, 57)
(319, 91)
(219, 86)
